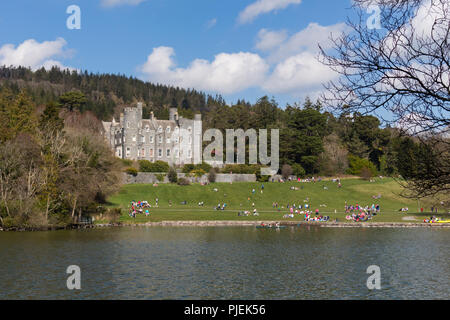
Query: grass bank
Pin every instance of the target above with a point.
(325, 196)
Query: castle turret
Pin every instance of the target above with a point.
(173, 113)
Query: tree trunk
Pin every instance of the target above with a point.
(46, 209)
(73, 209)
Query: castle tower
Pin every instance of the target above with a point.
(173, 114)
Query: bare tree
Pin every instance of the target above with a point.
(402, 68)
(401, 73)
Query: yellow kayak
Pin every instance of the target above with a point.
(440, 221)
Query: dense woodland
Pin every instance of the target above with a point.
(54, 165)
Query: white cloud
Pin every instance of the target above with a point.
(115, 3)
(296, 68)
(33, 54)
(263, 6)
(227, 73)
(307, 39)
(268, 40)
(298, 74)
(211, 23)
(289, 65)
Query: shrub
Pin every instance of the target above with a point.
(188, 168)
(113, 215)
(157, 166)
(183, 182)
(160, 177)
(286, 171)
(357, 164)
(298, 170)
(366, 174)
(131, 171)
(197, 173)
(172, 175)
(242, 168)
(204, 166)
(261, 178)
(127, 162)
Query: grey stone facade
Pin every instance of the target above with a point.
(150, 178)
(177, 140)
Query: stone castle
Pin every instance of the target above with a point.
(177, 141)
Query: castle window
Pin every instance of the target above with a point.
(147, 128)
(128, 152)
(168, 153)
(159, 153)
(176, 153)
(143, 152)
(128, 124)
(176, 139)
(159, 139)
(151, 153)
(151, 139)
(143, 139)
(160, 129)
(134, 137)
(168, 140)
(168, 130)
(190, 130)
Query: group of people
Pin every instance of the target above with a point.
(373, 209)
(220, 206)
(309, 217)
(246, 213)
(359, 217)
(139, 207)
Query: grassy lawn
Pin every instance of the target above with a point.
(238, 196)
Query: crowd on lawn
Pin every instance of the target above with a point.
(140, 207)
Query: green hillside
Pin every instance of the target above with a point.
(325, 196)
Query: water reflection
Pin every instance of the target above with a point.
(226, 263)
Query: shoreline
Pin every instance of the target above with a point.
(228, 223)
(232, 223)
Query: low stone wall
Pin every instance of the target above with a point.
(143, 177)
(235, 177)
(151, 178)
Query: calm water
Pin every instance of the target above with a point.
(226, 263)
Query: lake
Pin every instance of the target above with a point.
(304, 262)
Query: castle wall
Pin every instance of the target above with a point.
(130, 138)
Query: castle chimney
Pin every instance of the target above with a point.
(172, 113)
(139, 107)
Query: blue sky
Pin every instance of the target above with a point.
(240, 49)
